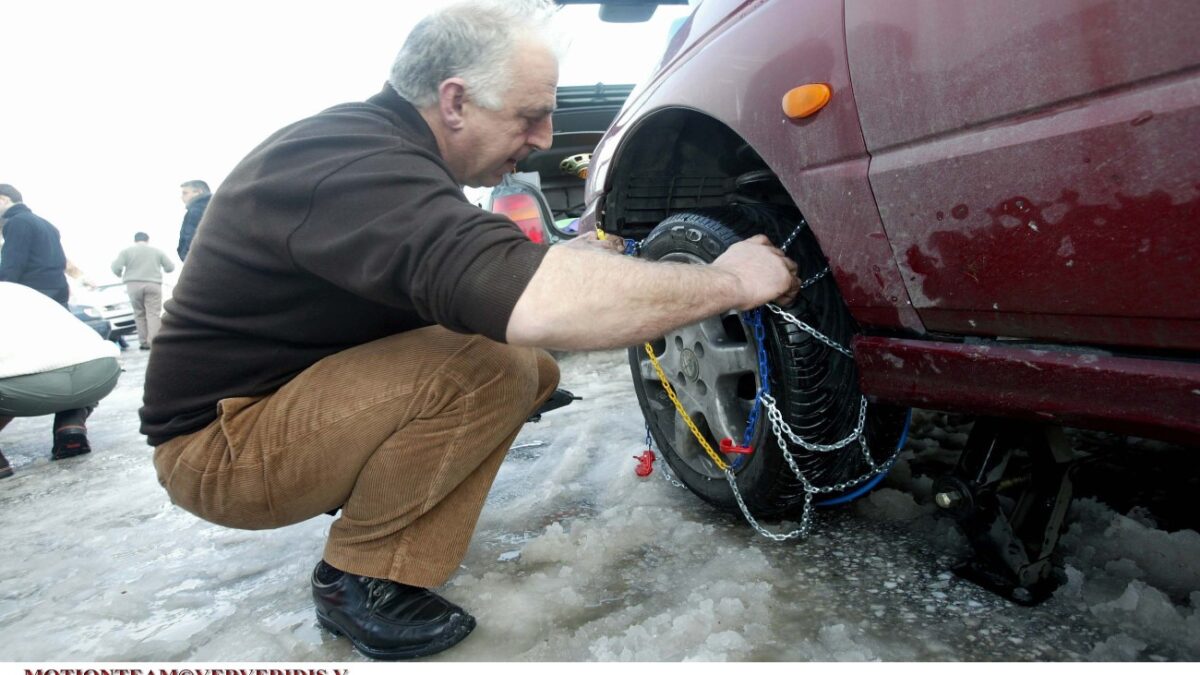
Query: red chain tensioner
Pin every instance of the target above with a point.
(645, 463)
(728, 446)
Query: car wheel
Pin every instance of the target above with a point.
(713, 367)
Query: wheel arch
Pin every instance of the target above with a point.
(678, 158)
(676, 142)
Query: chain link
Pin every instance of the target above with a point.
(814, 278)
(809, 329)
(778, 425)
(798, 533)
(754, 318)
(792, 237)
(662, 376)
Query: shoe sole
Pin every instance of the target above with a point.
(70, 444)
(401, 654)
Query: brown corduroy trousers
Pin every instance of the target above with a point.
(406, 434)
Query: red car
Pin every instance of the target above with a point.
(1006, 196)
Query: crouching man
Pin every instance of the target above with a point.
(351, 332)
(52, 364)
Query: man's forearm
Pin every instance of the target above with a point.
(614, 301)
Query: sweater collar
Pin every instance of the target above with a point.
(15, 210)
(199, 202)
(406, 116)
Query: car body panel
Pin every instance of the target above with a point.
(1149, 397)
(1057, 206)
(112, 301)
(1039, 179)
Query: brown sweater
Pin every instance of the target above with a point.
(338, 230)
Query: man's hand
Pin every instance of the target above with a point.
(589, 239)
(763, 272)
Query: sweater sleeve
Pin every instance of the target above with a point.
(118, 265)
(165, 261)
(14, 256)
(393, 227)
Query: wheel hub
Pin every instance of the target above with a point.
(691, 366)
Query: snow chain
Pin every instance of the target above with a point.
(782, 431)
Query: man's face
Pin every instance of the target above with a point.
(5, 202)
(187, 194)
(493, 141)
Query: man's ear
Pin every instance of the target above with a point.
(451, 97)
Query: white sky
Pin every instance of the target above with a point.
(107, 106)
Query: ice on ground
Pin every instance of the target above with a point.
(890, 504)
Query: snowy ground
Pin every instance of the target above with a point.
(577, 559)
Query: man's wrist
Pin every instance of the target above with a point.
(728, 288)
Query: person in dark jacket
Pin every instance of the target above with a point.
(32, 254)
(350, 333)
(195, 195)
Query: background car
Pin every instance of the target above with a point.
(111, 302)
(993, 206)
(92, 317)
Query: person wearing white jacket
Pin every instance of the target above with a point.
(51, 363)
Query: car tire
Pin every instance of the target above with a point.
(815, 387)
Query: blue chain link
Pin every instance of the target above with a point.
(754, 319)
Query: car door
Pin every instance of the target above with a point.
(1036, 164)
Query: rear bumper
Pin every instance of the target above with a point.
(1146, 397)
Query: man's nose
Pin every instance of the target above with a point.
(542, 135)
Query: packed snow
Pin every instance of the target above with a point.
(575, 558)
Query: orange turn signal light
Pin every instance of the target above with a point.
(805, 100)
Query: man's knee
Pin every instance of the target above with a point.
(523, 372)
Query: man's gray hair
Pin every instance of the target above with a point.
(196, 185)
(474, 40)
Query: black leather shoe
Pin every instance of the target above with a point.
(384, 619)
(70, 441)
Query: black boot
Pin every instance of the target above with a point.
(385, 619)
(70, 434)
(5, 467)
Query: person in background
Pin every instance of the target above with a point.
(32, 254)
(54, 365)
(351, 333)
(141, 266)
(195, 195)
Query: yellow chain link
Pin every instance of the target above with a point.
(662, 377)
